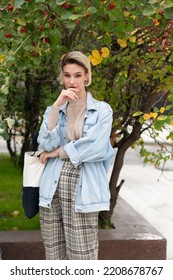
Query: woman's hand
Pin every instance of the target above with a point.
(45, 155)
(64, 96)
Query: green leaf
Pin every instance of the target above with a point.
(107, 39)
(152, 1)
(36, 60)
(148, 11)
(92, 10)
(5, 135)
(170, 136)
(19, 3)
(75, 16)
(171, 37)
(169, 13)
(11, 58)
(162, 118)
(156, 109)
(168, 107)
(10, 122)
(4, 89)
(141, 119)
(168, 4)
(158, 124)
(66, 15)
(139, 113)
(60, 2)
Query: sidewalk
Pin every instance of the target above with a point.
(150, 193)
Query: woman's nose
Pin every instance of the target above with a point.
(71, 80)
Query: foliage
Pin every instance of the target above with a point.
(129, 44)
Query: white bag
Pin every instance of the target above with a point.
(32, 169)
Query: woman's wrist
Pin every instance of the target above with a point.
(56, 106)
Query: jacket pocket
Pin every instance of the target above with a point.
(90, 121)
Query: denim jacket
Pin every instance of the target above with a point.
(93, 151)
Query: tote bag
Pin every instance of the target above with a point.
(32, 171)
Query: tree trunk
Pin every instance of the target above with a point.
(124, 144)
(32, 109)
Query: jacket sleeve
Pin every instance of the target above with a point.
(48, 139)
(95, 145)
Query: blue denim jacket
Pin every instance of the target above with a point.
(93, 151)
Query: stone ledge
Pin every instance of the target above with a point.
(125, 246)
(133, 239)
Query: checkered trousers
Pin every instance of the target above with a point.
(68, 234)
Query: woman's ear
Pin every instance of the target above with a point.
(86, 79)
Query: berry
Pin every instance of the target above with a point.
(34, 53)
(41, 28)
(66, 5)
(10, 7)
(77, 21)
(161, 12)
(111, 6)
(87, 14)
(22, 29)
(44, 12)
(152, 49)
(46, 40)
(8, 35)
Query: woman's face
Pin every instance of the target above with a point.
(74, 77)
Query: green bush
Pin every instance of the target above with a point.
(12, 216)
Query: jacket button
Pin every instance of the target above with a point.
(55, 182)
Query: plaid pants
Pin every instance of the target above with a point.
(68, 234)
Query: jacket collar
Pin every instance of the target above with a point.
(90, 104)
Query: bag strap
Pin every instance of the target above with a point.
(34, 142)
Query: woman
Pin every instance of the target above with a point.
(74, 187)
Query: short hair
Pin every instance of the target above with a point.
(76, 57)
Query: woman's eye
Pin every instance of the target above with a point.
(78, 76)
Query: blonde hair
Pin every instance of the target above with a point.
(78, 58)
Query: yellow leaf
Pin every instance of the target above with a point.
(96, 54)
(90, 57)
(162, 110)
(147, 117)
(171, 123)
(156, 22)
(140, 41)
(134, 31)
(122, 43)
(133, 17)
(40, 51)
(15, 213)
(105, 52)
(126, 14)
(2, 57)
(20, 21)
(132, 39)
(154, 115)
(94, 61)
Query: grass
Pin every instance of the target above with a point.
(12, 216)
